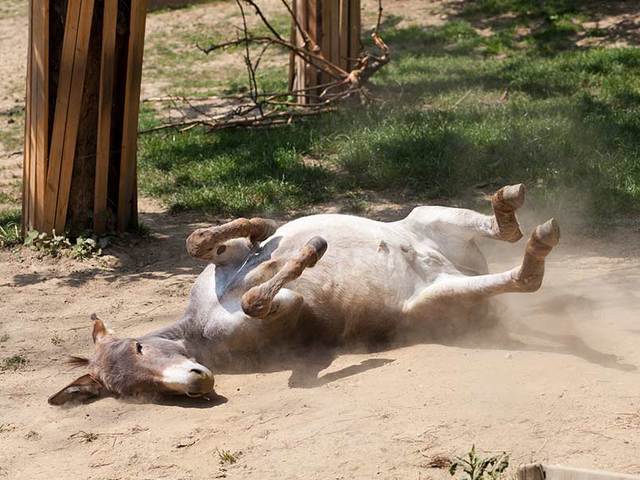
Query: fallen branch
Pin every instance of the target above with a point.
(260, 109)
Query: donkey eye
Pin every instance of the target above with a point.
(139, 348)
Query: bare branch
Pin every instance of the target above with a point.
(255, 109)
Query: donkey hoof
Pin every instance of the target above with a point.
(548, 233)
(261, 229)
(317, 246)
(513, 195)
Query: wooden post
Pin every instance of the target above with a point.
(66, 120)
(107, 72)
(334, 26)
(36, 139)
(83, 93)
(127, 196)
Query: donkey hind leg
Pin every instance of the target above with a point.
(259, 301)
(525, 278)
(466, 224)
(229, 242)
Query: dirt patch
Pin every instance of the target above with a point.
(557, 384)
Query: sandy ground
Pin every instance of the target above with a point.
(558, 383)
(561, 386)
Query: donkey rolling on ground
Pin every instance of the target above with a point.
(328, 278)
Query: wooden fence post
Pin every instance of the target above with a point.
(334, 26)
(83, 93)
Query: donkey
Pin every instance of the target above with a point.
(329, 278)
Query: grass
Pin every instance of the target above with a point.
(14, 362)
(474, 467)
(10, 228)
(459, 110)
(226, 457)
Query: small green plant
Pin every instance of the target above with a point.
(85, 248)
(226, 457)
(355, 203)
(55, 245)
(50, 244)
(9, 235)
(475, 467)
(13, 363)
(4, 337)
(10, 228)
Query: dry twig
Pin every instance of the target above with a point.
(259, 109)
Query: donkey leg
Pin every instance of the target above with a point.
(466, 224)
(214, 243)
(259, 301)
(525, 278)
(505, 202)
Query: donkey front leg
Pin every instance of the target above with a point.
(525, 278)
(217, 244)
(262, 300)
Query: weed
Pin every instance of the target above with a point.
(56, 340)
(85, 248)
(4, 337)
(226, 457)
(10, 228)
(9, 235)
(54, 245)
(355, 203)
(475, 467)
(50, 244)
(13, 363)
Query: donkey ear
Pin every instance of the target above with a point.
(99, 329)
(80, 390)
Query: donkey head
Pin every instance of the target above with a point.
(130, 366)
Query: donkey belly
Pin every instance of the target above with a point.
(370, 269)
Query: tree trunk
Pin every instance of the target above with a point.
(83, 92)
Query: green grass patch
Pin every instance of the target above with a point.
(459, 109)
(10, 234)
(14, 362)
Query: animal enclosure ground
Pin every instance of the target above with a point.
(561, 387)
(504, 91)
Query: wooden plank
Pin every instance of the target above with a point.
(354, 31)
(335, 33)
(343, 35)
(127, 181)
(325, 28)
(26, 161)
(41, 45)
(34, 117)
(61, 113)
(35, 85)
(107, 71)
(313, 29)
(73, 119)
(300, 78)
(294, 40)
